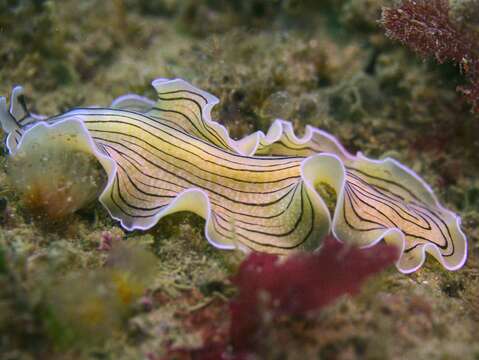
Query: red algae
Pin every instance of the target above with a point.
(271, 289)
(301, 284)
(426, 28)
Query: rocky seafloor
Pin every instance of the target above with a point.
(82, 288)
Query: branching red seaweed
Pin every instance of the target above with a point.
(271, 289)
(425, 26)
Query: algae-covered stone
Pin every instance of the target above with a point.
(54, 183)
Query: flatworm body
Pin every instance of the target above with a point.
(265, 192)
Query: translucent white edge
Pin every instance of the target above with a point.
(246, 146)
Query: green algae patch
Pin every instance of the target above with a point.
(328, 194)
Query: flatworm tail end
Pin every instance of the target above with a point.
(379, 199)
(384, 199)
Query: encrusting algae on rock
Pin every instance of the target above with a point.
(259, 192)
(87, 306)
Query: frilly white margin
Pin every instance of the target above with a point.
(246, 146)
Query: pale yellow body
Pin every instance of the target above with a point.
(264, 192)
